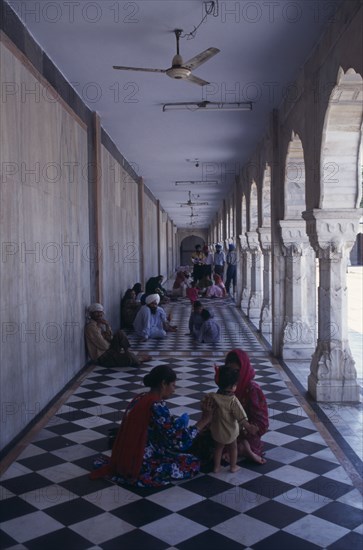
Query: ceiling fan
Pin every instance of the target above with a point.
(191, 203)
(192, 215)
(179, 69)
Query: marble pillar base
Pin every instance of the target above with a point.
(333, 377)
(333, 391)
(297, 351)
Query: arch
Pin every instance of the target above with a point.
(253, 207)
(243, 215)
(294, 179)
(340, 170)
(187, 247)
(220, 230)
(266, 197)
(231, 231)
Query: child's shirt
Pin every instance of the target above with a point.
(192, 294)
(227, 416)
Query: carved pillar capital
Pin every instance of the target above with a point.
(294, 238)
(243, 242)
(253, 242)
(265, 238)
(332, 233)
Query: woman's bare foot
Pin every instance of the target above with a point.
(256, 458)
(245, 450)
(234, 468)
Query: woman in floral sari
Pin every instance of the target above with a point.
(253, 401)
(151, 444)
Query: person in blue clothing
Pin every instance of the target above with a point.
(210, 332)
(196, 319)
(151, 320)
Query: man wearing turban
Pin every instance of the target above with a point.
(151, 320)
(104, 347)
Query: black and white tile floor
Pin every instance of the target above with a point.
(302, 498)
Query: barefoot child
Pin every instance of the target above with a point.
(228, 418)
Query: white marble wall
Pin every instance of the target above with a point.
(44, 238)
(163, 246)
(119, 234)
(150, 237)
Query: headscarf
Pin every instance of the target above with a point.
(246, 372)
(91, 309)
(95, 307)
(129, 446)
(231, 246)
(152, 298)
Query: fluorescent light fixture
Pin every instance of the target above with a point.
(208, 106)
(196, 182)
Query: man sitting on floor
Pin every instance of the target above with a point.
(151, 320)
(106, 349)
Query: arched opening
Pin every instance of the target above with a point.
(265, 324)
(253, 208)
(187, 247)
(333, 230)
(299, 329)
(294, 179)
(340, 161)
(231, 232)
(266, 197)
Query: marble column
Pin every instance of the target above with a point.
(245, 273)
(333, 376)
(255, 299)
(298, 341)
(265, 324)
(238, 294)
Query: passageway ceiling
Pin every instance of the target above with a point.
(262, 45)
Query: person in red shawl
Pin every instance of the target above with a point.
(253, 401)
(149, 449)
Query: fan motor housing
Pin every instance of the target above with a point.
(178, 72)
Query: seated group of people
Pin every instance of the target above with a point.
(153, 448)
(205, 287)
(139, 311)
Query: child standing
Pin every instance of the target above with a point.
(228, 418)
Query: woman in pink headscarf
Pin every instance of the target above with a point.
(253, 401)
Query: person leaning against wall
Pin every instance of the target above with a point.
(105, 348)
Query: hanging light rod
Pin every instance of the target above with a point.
(196, 182)
(208, 106)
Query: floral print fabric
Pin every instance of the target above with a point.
(165, 459)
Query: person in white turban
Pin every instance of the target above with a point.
(104, 347)
(151, 320)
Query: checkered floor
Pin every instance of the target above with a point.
(302, 498)
(233, 333)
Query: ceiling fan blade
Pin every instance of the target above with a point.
(192, 204)
(120, 68)
(202, 57)
(196, 80)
